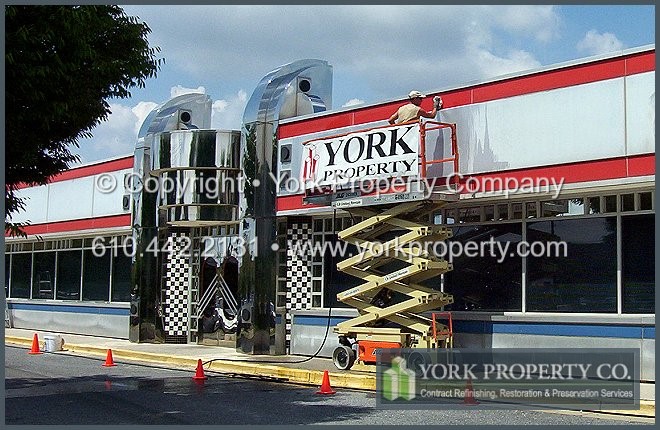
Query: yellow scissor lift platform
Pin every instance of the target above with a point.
(376, 298)
(393, 260)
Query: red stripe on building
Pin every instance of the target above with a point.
(640, 63)
(550, 80)
(90, 170)
(641, 165)
(542, 81)
(597, 170)
(123, 220)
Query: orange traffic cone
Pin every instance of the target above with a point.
(108, 360)
(199, 374)
(35, 345)
(325, 385)
(469, 394)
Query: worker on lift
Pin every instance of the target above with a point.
(412, 112)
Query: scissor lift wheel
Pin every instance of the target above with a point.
(343, 357)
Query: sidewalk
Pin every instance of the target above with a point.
(294, 369)
(228, 360)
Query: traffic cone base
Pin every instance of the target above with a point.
(35, 345)
(469, 394)
(108, 360)
(325, 385)
(199, 373)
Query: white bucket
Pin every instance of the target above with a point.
(53, 343)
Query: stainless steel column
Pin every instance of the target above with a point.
(298, 88)
(186, 112)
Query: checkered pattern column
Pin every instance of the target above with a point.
(177, 288)
(298, 271)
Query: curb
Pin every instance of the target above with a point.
(298, 376)
(286, 374)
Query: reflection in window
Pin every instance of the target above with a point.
(336, 281)
(531, 210)
(502, 211)
(584, 280)
(516, 210)
(470, 214)
(645, 201)
(638, 252)
(594, 205)
(43, 283)
(627, 202)
(489, 282)
(121, 278)
(21, 273)
(610, 203)
(564, 207)
(7, 272)
(489, 213)
(96, 276)
(68, 275)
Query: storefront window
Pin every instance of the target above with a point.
(334, 280)
(645, 201)
(594, 205)
(96, 276)
(489, 281)
(638, 252)
(627, 202)
(21, 273)
(68, 275)
(582, 281)
(121, 278)
(563, 207)
(7, 270)
(43, 275)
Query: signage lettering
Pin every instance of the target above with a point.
(385, 152)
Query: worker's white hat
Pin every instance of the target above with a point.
(414, 94)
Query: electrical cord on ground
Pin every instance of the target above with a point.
(325, 337)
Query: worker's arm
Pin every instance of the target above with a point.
(429, 114)
(437, 104)
(393, 118)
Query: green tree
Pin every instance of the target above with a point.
(62, 65)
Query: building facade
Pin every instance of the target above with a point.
(564, 154)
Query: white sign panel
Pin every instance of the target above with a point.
(379, 153)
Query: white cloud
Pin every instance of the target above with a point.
(115, 136)
(375, 52)
(228, 113)
(178, 90)
(141, 110)
(374, 43)
(595, 43)
(353, 102)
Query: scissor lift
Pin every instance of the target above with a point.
(394, 232)
(376, 298)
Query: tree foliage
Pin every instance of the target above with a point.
(62, 65)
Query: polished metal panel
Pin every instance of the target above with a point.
(164, 117)
(198, 175)
(640, 113)
(565, 125)
(299, 88)
(186, 112)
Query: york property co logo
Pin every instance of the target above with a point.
(310, 165)
(399, 381)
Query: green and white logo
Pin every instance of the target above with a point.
(399, 381)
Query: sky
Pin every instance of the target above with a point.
(378, 53)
